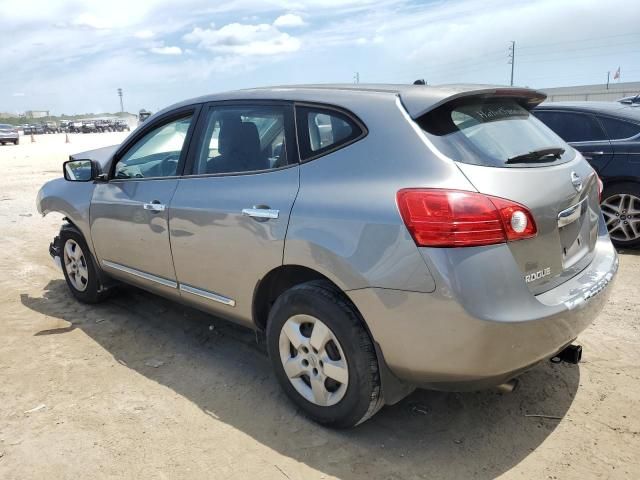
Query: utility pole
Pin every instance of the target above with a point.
(608, 74)
(356, 77)
(512, 58)
(121, 104)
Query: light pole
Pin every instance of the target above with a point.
(512, 58)
(121, 104)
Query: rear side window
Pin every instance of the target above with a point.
(573, 127)
(489, 132)
(239, 139)
(619, 129)
(325, 130)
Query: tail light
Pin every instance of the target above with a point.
(455, 218)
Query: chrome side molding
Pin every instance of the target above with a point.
(171, 284)
(138, 273)
(208, 295)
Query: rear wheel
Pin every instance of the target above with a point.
(322, 355)
(79, 269)
(621, 210)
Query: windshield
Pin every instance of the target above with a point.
(4, 126)
(489, 132)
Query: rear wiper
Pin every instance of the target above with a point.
(542, 155)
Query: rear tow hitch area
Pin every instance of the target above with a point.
(571, 354)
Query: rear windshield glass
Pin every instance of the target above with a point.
(493, 133)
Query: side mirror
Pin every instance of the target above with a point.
(79, 170)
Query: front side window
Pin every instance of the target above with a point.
(619, 129)
(157, 154)
(240, 139)
(491, 132)
(324, 130)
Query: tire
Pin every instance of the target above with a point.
(16, 141)
(621, 209)
(347, 347)
(87, 290)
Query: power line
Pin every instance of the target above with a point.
(544, 45)
(563, 51)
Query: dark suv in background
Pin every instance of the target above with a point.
(608, 136)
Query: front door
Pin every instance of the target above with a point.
(229, 214)
(129, 213)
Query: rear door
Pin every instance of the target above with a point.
(583, 132)
(486, 138)
(625, 140)
(230, 211)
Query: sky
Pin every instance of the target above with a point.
(70, 56)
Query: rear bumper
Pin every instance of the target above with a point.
(481, 326)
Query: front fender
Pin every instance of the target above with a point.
(71, 199)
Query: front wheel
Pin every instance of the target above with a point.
(322, 355)
(621, 209)
(79, 269)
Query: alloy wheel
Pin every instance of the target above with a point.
(622, 214)
(313, 360)
(75, 265)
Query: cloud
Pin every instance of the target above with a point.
(144, 34)
(245, 40)
(289, 20)
(70, 43)
(18, 94)
(166, 50)
(88, 20)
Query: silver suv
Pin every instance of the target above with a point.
(382, 237)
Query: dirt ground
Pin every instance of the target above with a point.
(140, 387)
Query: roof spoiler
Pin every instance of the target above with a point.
(528, 98)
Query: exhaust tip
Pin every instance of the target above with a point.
(508, 387)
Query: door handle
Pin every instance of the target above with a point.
(154, 206)
(590, 155)
(259, 211)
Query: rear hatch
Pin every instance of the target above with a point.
(504, 151)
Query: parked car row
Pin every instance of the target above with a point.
(608, 136)
(9, 134)
(76, 126)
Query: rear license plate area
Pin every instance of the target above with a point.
(575, 233)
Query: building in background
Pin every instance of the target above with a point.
(36, 113)
(592, 92)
